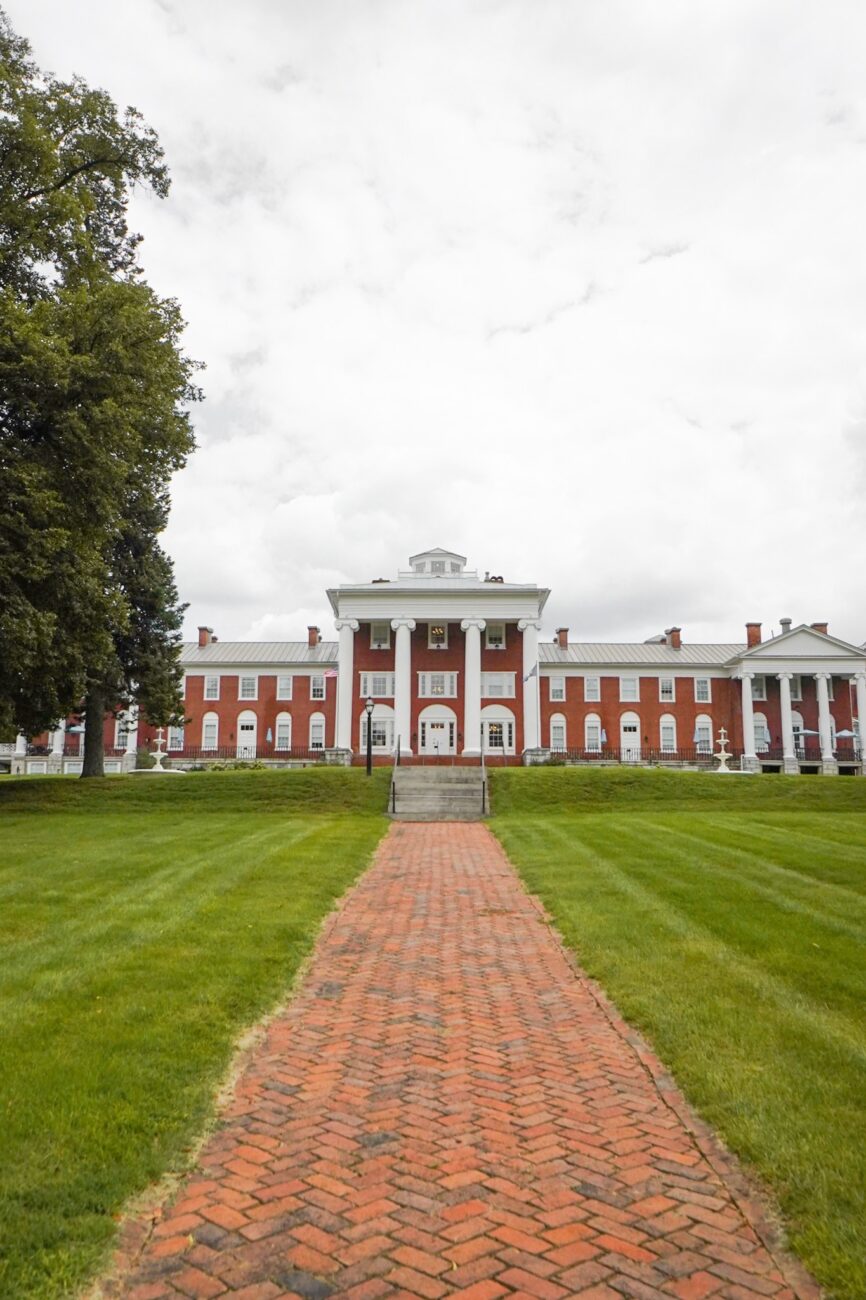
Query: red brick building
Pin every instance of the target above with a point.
(453, 664)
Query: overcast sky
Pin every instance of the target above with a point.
(574, 288)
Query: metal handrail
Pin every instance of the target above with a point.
(394, 766)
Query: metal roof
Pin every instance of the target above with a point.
(602, 653)
(257, 652)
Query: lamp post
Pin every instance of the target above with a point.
(369, 710)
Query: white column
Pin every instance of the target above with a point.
(347, 627)
(58, 736)
(132, 729)
(789, 758)
(531, 728)
(860, 684)
(404, 627)
(472, 686)
(822, 681)
(20, 744)
(750, 757)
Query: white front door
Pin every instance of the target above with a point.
(437, 737)
(247, 738)
(629, 742)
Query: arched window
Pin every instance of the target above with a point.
(668, 733)
(798, 725)
(497, 729)
(437, 730)
(317, 731)
(283, 731)
(121, 730)
(381, 729)
(593, 735)
(703, 734)
(557, 731)
(762, 733)
(210, 731)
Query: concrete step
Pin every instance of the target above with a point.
(438, 794)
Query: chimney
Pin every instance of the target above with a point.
(785, 624)
(820, 627)
(205, 636)
(314, 636)
(562, 638)
(673, 637)
(753, 634)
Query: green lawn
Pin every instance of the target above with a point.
(726, 917)
(144, 922)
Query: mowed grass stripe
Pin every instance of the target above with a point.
(138, 943)
(752, 989)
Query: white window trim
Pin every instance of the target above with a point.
(171, 746)
(489, 628)
(285, 677)
(593, 720)
(703, 720)
(315, 720)
(559, 720)
(253, 677)
(365, 685)
(314, 677)
(796, 688)
(378, 643)
(283, 719)
(508, 689)
(709, 698)
(630, 699)
(672, 698)
(667, 720)
(211, 677)
(590, 699)
(560, 679)
(452, 680)
(762, 698)
(207, 719)
(437, 645)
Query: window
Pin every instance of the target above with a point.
(593, 734)
(592, 690)
(494, 636)
(437, 636)
(557, 731)
(666, 690)
(284, 687)
(317, 731)
(455, 567)
(379, 685)
(121, 732)
(759, 688)
(497, 686)
(762, 734)
(380, 636)
(175, 738)
(796, 687)
(283, 731)
(702, 690)
(437, 566)
(557, 688)
(210, 731)
(703, 734)
(496, 735)
(212, 688)
(629, 688)
(381, 733)
(668, 733)
(317, 687)
(437, 685)
(249, 688)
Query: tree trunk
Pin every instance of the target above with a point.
(94, 745)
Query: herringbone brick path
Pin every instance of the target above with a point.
(446, 1108)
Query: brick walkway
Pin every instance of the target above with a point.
(448, 1107)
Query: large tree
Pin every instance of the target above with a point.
(94, 394)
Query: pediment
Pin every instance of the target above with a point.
(803, 643)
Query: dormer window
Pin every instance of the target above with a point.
(437, 566)
(437, 636)
(380, 636)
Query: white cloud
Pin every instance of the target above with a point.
(574, 289)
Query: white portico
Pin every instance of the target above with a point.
(800, 655)
(440, 635)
